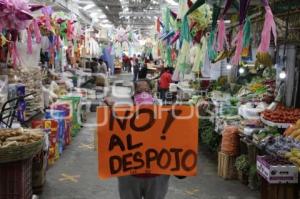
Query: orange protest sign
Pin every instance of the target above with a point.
(147, 140)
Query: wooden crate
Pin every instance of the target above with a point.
(278, 191)
(248, 148)
(226, 168)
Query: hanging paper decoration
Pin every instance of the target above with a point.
(201, 17)
(29, 40)
(15, 14)
(47, 11)
(176, 36)
(268, 29)
(157, 25)
(183, 8)
(195, 6)
(221, 35)
(166, 19)
(3, 40)
(184, 52)
(190, 3)
(168, 56)
(247, 33)
(221, 27)
(197, 60)
(238, 41)
(70, 30)
(212, 54)
(37, 32)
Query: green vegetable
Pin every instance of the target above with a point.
(242, 164)
(208, 135)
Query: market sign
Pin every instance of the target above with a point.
(147, 140)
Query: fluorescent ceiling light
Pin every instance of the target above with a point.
(107, 25)
(89, 6)
(94, 14)
(172, 2)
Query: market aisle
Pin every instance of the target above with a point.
(80, 159)
(74, 176)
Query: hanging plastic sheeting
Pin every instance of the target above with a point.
(212, 54)
(184, 52)
(247, 33)
(268, 29)
(238, 41)
(221, 27)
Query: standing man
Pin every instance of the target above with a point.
(136, 69)
(164, 84)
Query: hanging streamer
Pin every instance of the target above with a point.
(247, 33)
(29, 40)
(166, 19)
(185, 37)
(239, 46)
(168, 56)
(221, 35)
(195, 6)
(47, 11)
(212, 54)
(37, 31)
(238, 41)
(221, 27)
(268, 29)
(182, 8)
(157, 25)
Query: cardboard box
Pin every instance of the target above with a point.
(277, 174)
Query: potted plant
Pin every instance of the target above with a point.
(242, 165)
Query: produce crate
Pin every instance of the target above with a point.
(276, 174)
(16, 180)
(278, 191)
(226, 168)
(247, 147)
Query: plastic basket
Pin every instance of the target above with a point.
(16, 180)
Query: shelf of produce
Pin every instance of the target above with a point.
(273, 124)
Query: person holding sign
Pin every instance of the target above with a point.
(143, 186)
(143, 145)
